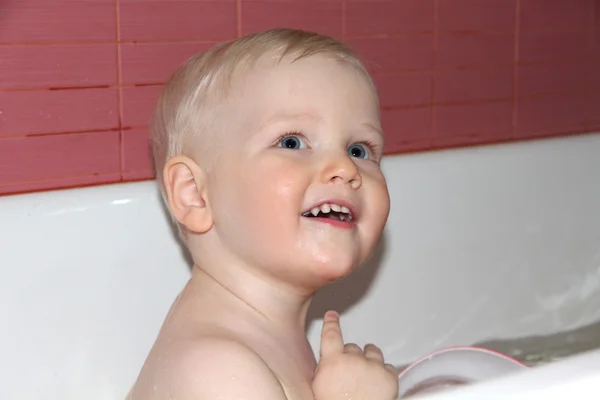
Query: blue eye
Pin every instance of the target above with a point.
(292, 142)
(358, 151)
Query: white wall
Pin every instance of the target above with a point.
(487, 242)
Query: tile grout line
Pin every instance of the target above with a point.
(575, 29)
(238, 18)
(588, 96)
(36, 181)
(344, 20)
(384, 72)
(433, 132)
(119, 88)
(515, 116)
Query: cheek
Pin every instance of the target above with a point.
(275, 185)
(271, 193)
(377, 211)
(378, 194)
(384, 202)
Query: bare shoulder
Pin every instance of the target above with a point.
(211, 368)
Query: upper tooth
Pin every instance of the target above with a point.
(327, 207)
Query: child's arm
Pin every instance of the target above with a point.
(345, 371)
(212, 369)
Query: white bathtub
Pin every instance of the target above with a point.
(483, 244)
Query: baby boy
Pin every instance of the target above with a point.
(268, 153)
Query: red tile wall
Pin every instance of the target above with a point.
(78, 79)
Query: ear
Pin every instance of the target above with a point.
(185, 184)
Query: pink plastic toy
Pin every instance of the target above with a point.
(454, 366)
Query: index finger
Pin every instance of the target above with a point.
(331, 335)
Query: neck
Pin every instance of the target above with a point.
(269, 302)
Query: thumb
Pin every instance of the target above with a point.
(331, 335)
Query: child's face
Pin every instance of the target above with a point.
(260, 190)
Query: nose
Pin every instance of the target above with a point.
(339, 168)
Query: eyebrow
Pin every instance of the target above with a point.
(279, 117)
(372, 128)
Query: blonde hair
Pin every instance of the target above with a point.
(185, 109)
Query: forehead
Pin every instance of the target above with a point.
(315, 87)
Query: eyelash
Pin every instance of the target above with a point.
(367, 143)
(288, 134)
(372, 147)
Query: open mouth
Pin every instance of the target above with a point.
(330, 211)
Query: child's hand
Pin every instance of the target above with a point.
(347, 372)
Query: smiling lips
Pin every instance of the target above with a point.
(331, 213)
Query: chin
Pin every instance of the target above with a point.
(334, 269)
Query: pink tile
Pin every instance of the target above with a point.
(389, 17)
(57, 66)
(593, 111)
(476, 15)
(143, 20)
(475, 122)
(548, 78)
(53, 111)
(596, 35)
(553, 46)
(544, 15)
(61, 183)
(57, 21)
(138, 104)
(472, 140)
(406, 129)
(403, 89)
(313, 15)
(395, 54)
(48, 157)
(471, 50)
(136, 150)
(551, 114)
(153, 63)
(595, 75)
(475, 84)
(129, 176)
